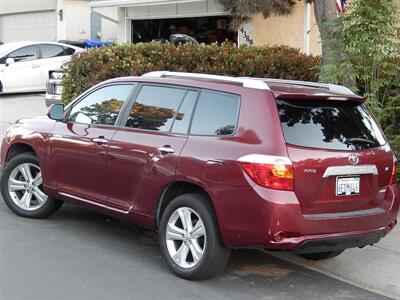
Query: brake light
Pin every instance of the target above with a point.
(274, 172)
(393, 177)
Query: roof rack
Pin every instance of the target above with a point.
(331, 87)
(245, 82)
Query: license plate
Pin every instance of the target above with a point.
(58, 89)
(347, 186)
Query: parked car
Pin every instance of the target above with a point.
(54, 85)
(24, 66)
(212, 163)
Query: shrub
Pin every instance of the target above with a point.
(94, 66)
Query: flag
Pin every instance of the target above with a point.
(340, 6)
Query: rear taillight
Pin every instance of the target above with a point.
(274, 172)
(393, 177)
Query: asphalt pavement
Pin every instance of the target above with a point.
(79, 254)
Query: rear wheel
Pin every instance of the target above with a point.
(189, 238)
(22, 188)
(322, 255)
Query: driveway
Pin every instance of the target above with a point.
(79, 254)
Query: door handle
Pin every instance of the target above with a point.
(35, 66)
(100, 140)
(166, 149)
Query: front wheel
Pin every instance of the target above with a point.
(322, 255)
(22, 188)
(189, 238)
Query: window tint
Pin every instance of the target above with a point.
(335, 125)
(24, 54)
(215, 114)
(101, 106)
(48, 51)
(182, 120)
(155, 108)
(69, 51)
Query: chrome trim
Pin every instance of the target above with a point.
(350, 170)
(347, 214)
(245, 82)
(166, 149)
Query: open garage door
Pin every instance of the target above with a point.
(35, 26)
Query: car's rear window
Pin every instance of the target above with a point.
(336, 125)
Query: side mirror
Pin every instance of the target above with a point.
(56, 112)
(10, 61)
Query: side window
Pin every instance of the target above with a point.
(48, 51)
(155, 108)
(68, 51)
(24, 54)
(102, 106)
(182, 120)
(215, 114)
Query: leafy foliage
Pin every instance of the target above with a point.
(246, 8)
(96, 65)
(369, 51)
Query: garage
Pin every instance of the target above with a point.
(32, 26)
(204, 20)
(148, 20)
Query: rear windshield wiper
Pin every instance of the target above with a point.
(359, 140)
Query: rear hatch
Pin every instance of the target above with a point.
(340, 157)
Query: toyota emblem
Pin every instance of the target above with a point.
(353, 159)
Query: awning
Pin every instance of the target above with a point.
(132, 3)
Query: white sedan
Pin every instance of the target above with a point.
(24, 66)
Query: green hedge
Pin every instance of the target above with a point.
(94, 66)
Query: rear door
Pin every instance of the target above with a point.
(340, 156)
(144, 152)
(51, 58)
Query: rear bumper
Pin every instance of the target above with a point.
(274, 219)
(340, 242)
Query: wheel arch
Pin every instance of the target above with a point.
(175, 189)
(17, 149)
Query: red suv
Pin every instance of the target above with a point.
(212, 163)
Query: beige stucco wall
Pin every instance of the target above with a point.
(20, 6)
(77, 19)
(287, 30)
(109, 29)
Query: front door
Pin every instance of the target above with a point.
(79, 145)
(143, 155)
(25, 73)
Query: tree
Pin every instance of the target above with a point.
(324, 10)
(367, 39)
(325, 15)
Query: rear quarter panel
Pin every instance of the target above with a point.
(211, 162)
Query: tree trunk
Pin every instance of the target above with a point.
(325, 14)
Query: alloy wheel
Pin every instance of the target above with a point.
(25, 187)
(185, 237)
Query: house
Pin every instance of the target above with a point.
(134, 21)
(53, 20)
(206, 20)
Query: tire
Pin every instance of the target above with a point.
(322, 255)
(212, 255)
(23, 171)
